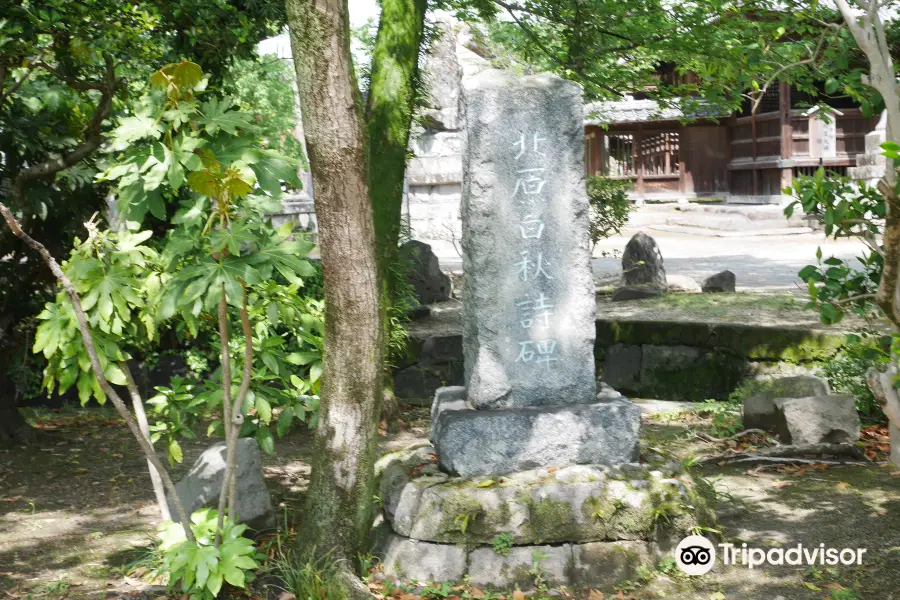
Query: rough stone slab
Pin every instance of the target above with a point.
(817, 420)
(580, 503)
(528, 307)
(424, 273)
(723, 281)
(487, 568)
(683, 284)
(602, 565)
(202, 484)
(642, 263)
(412, 561)
(759, 408)
(622, 366)
(493, 442)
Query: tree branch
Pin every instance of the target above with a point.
(141, 417)
(85, 331)
(237, 414)
(15, 87)
(225, 359)
(93, 137)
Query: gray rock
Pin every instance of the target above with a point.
(528, 308)
(759, 407)
(412, 561)
(623, 294)
(607, 392)
(622, 366)
(202, 484)
(682, 284)
(602, 565)
(720, 282)
(487, 568)
(642, 263)
(493, 442)
(424, 274)
(579, 503)
(817, 420)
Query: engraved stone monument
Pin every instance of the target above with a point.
(528, 448)
(528, 306)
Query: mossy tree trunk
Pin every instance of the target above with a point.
(391, 100)
(340, 496)
(393, 87)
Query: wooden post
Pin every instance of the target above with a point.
(639, 160)
(787, 131)
(753, 137)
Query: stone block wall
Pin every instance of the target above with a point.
(650, 359)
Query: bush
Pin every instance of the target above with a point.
(846, 374)
(610, 207)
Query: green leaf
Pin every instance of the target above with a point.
(216, 116)
(132, 129)
(235, 577)
(272, 168)
(265, 440)
(303, 358)
(284, 421)
(114, 374)
(263, 409)
(174, 452)
(214, 583)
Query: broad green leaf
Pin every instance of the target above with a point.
(263, 409)
(266, 440)
(216, 116)
(284, 421)
(132, 129)
(272, 168)
(174, 452)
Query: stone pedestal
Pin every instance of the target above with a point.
(588, 525)
(491, 442)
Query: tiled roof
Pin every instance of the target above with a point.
(640, 111)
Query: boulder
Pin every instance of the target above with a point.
(642, 263)
(201, 486)
(413, 561)
(514, 569)
(635, 293)
(759, 407)
(683, 284)
(424, 274)
(817, 420)
(720, 282)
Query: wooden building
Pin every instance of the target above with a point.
(745, 158)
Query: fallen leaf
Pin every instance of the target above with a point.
(811, 586)
(476, 593)
(518, 595)
(595, 595)
(409, 597)
(842, 486)
(780, 484)
(717, 596)
(553, 469)
(486, 483)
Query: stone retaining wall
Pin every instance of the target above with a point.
(672, 360)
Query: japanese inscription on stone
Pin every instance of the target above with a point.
(528, 295)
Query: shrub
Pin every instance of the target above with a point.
(200, 566)
(846, 374)
(609, 207)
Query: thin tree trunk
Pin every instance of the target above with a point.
(340, 497)
(391, 101)
(141, 416)
(111, 393)
(237, 414)
(225, 361)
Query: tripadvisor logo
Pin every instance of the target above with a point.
(696, 555)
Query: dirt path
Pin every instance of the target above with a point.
(76, 508)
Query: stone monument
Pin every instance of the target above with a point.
(528, 448)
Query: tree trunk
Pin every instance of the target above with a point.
(391, 100)
(14, 429)
(340, 496)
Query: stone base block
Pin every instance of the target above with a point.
(493, 442)
(599, 565)
(577, 504)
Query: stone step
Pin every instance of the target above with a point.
(865, 160)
